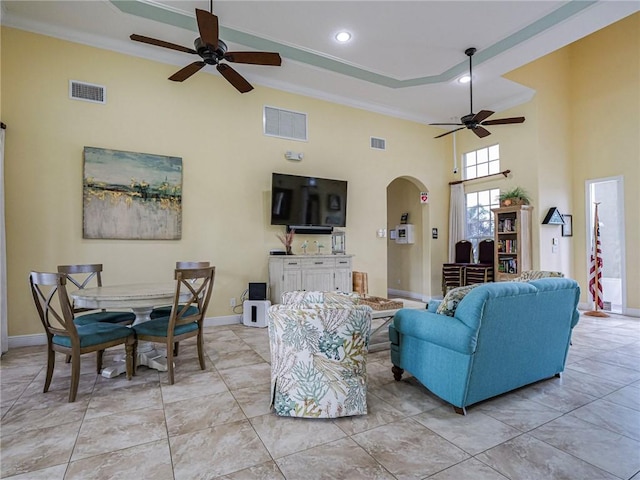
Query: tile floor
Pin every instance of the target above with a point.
(216, 423)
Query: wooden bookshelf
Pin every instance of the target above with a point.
(512, 242)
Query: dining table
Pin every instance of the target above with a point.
(141, 298)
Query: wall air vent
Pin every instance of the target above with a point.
(378, 143)
(284, 124)
(87, 92)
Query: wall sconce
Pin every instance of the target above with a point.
(289, 155)
(553, 217)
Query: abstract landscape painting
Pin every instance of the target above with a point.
(129, 195)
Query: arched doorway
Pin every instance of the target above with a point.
(408, 264)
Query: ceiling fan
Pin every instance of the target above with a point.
(212, 50)
(475, 121)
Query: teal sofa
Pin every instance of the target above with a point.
(501, 336)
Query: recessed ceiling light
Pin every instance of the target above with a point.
(343, 37)
(464, 79)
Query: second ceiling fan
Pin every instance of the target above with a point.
(475, 121)
(212, 50)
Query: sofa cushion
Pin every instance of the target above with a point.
(453, 298)
(433, 305)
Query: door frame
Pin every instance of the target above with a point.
(619, 179)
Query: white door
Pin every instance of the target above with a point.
(609, 194)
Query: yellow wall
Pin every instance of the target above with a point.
(605, 112)
(582, 124)
(227, 165)
(551, 181)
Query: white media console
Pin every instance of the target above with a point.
(309, 272)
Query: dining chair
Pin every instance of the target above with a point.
(481, 272)
(82, 276)
(165, 311)
(453, 273)
(54, 307)
(196, 284)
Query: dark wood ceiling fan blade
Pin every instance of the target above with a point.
(446, 124)
(234, 78)
(254, 58)
(186, 72)
(450, 131)
(208, 28)
(481, 115)
(161, 43)
(481, 132)
(504, 121)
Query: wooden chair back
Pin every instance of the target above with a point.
(197, 283)
(49, 292)
(82, 276)
(184, 265)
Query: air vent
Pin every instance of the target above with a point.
(87, 92)
(378, 143)
(285, 124)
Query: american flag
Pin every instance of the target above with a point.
(595, 270)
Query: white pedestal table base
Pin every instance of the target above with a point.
(148, 354)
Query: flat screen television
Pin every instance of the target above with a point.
(308, 201)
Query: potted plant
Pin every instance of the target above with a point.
(515, 196)
(287, 240)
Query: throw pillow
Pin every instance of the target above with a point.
(536, 274)
(453, 298)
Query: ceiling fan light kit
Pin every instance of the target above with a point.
(212, 50)
(475, 121)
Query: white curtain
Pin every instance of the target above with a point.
(457, 215)
(4, 334)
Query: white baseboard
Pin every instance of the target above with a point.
(632, 312)
(629, 312)
(41, 339)
(27, 340)
(404, 294)
(224, 320)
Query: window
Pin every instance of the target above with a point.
(485, 161)
(479, 215)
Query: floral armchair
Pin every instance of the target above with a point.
(311, 296)
(318, 359)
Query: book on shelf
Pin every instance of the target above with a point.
(508, 265)
(508, 246)
(507, 225)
